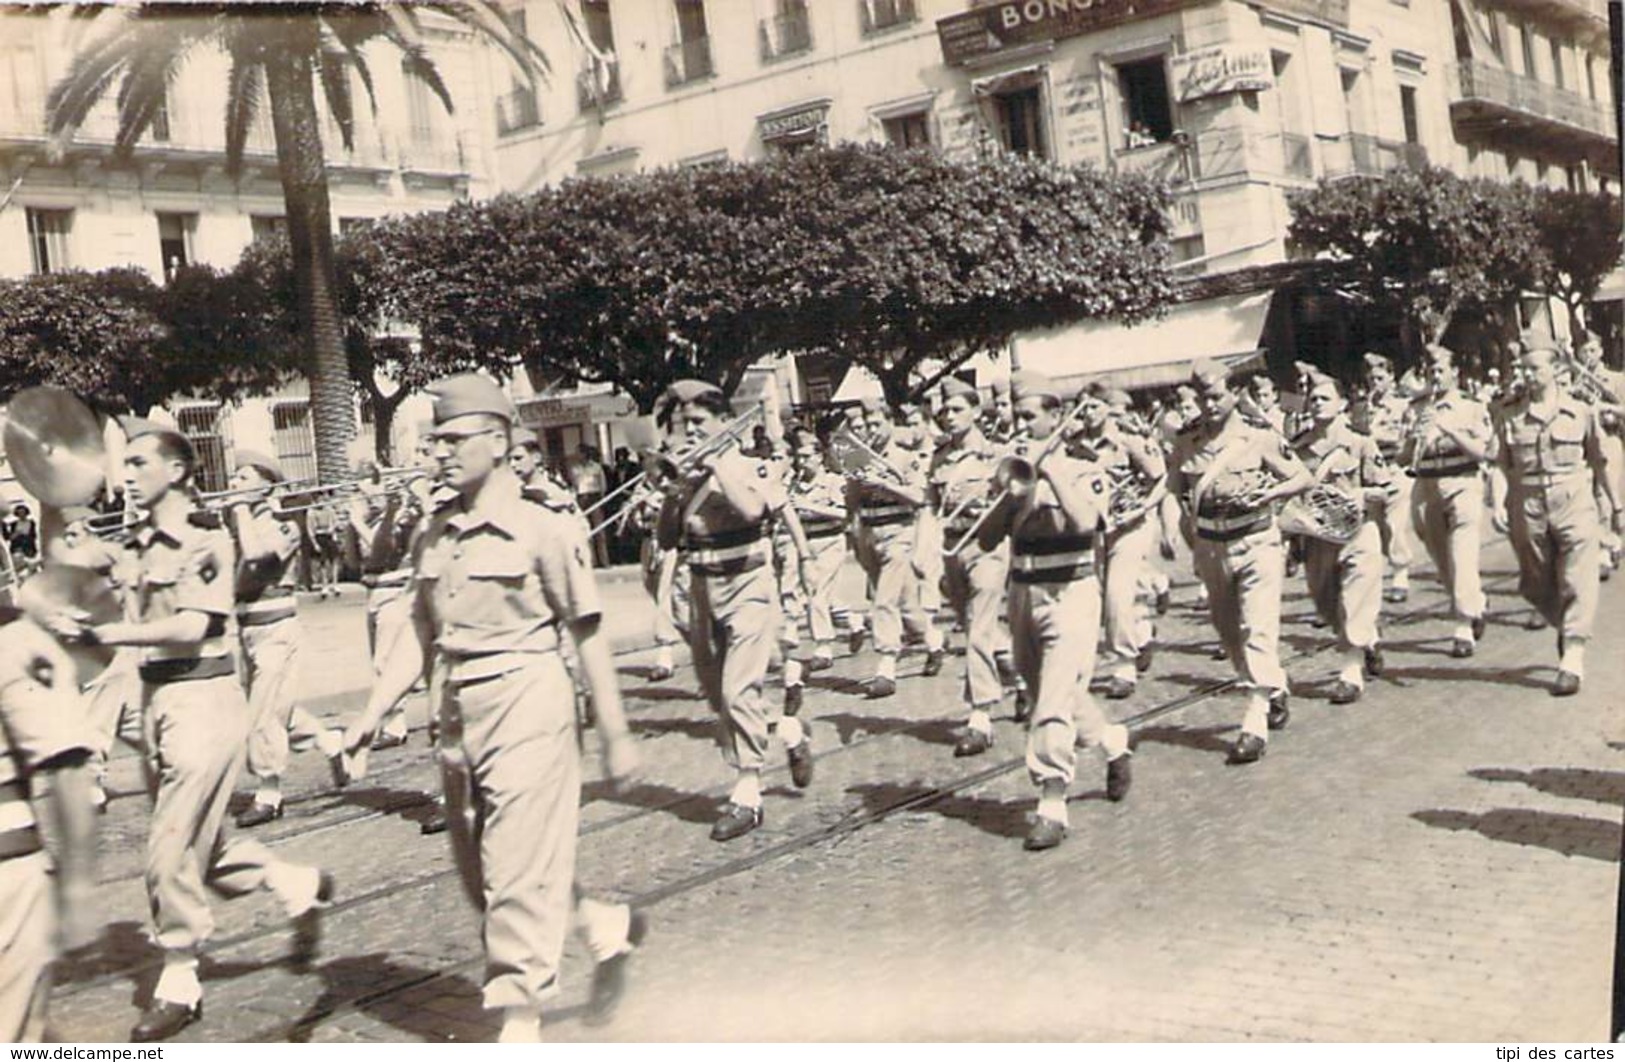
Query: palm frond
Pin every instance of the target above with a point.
(486, 19)
(418, 64)
(95, 66)
(245, 87)
(334, 70)
(344, 36)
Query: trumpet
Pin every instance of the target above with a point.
(852, 456)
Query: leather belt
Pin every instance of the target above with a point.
(163, 672)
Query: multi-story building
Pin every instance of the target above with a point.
(1236, 102)
(74, 206)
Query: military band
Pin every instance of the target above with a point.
(1033, 512)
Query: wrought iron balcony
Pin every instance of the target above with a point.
(877, 16)
(688, 61)
(1493, 98)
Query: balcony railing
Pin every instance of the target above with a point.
(517, 110)
(785, 35)
(1221, 153)
(599, 84)
(877, 16)
(1500, 88)
(688, 61)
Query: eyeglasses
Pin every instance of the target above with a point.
(453, 439)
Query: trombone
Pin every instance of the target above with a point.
(1016, 474)
(853, 455)
(663, 468)
(329, 495)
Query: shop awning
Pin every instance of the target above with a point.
(1154, 353)
(1612, 288)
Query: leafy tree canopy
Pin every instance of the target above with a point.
(1580, 235)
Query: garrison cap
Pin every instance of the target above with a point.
(469, 393)
(1316, 378)
(1304, 369)
(140, 427)
(1209, 375)
(1532, 340)
(1117, 398)
(267, 465)
(1185, 392)
(954, 387)
(526, 438)
(686, 391)
(1377, 361)
(1439, 354)
(1027, 383)
(873, 404)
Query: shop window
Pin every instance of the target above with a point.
(908, 130)
(1148, 113)
(1019, 118)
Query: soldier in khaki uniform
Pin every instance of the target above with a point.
(1605, 390)
(1383, 415)
(1131, 462)
(196, 725)
(1345, 579)
(958, 492)
(268, 625)
(1054, 527)
(1228, 473)
(807, 585)
(719, 512)
(1552, 456)
(43, 739)
(1447, 440)
(886, 498)
(496, 577)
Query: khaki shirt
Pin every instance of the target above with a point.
(961, 474)
(498, 579)
(190, 569)
(1343, 458)
(41, 717)
(1467, 416)
(1205, 472)
(258, 575)
(1557, 443)
(878, 502)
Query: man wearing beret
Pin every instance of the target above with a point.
(1382, 415)
(196, 724)
(268, 626)
(1228, 472)
(719, 511)
(1551, 454)
(1447, 440)
(887, 496)
(496, 578)
(959, 492)
(1053, 524)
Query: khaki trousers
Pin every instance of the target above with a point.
(270, 662)
(27, 922)
(974, 582)
(1054, 628)
(734, 620)
(1448, 512)
(1345, 582)
(1243, 578)
(1128, 554)
(1556, 535)
(889, 552)
(511, 767)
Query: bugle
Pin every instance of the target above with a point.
(664, 467)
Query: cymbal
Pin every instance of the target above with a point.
(55, 446)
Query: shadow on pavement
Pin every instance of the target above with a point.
(120, 945)
(852, 726)
(1580, 783)
(1200, 738)
(660, 693)
(350, 980)
(651, 796)
(1569, 835)
(413, 805)
(701, 729)
(1523, 676)
(999, 818)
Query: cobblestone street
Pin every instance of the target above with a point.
(1437, 862)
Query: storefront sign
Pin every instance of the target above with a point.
(552, 413)
(994, 28)
(1220, 69)
(800, 122)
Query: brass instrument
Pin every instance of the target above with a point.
(1322, 512)
(54, 444)
(1130, 493)
(661, 468)
(851, 456)
(331, 495)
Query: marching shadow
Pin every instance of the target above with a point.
(1579, 783)
(1199, 738)
(662, 693)
(412, 805)
(842, 684)
(1523, 676)
(992, 816)
(1569, 835)
(120, 945)
(365, 982)
(702, 729)
(849, 726)
(1202, 649)
(680, 803)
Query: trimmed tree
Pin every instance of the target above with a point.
(1580, 235)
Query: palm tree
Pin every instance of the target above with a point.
(276, 51)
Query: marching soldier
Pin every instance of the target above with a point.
(887, 496)
(1131, 463)
(1345, 578)
(268, 626)
(718, 510)
(44, 748)
(1228, 472)
(1606, 389)
(1552, 456)
(197, 723)
(817, 497)
(496, 577)
(1054, 609)
(1383, 416)
(958, 493)
(1447, 440)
